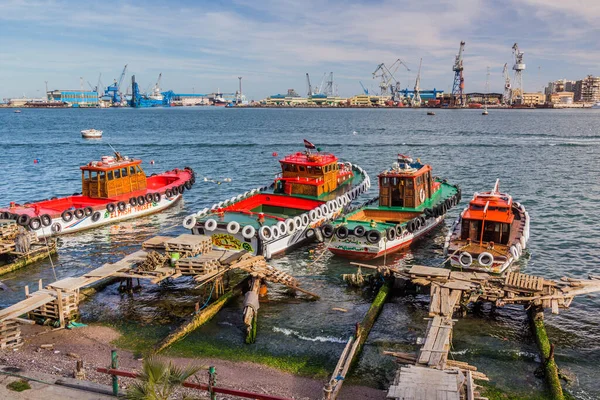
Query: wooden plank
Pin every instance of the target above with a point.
(25, 306)
(470, 391)
(459, 285)
(429, 271)
(444, 301)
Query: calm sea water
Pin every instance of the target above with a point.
(546, 159)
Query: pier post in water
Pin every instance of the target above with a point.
(251, 306)
(114, 364)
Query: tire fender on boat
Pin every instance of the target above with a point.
(56, 227)
(265, 233)
(188, 185)
(305, 219)
(310, 233)
(233, 227)
(202, 212)
(67, 215)
(519, 248)
(23, 220)
(465, 259)
(312, 214)
(248, 232)
(149, 197)
(290, 226)
(168, 193)
(96, 216)
(121, 206)
(359, 231)
(399, 230)
(110, 207)
(88, 211)
(156, 197)
(327, 230)
(46, 219)
(485, 259)
(79, 213)
(324, 210)
(373, 236)
(210, 225)
(141, 200)
(276, 232)
(410, 226)
(133, 202)
(342, 232)
(332, 205)
(35, 223)
(514, 253)
(189, 222)
(298, 222)
(390, 234)
(282, 228)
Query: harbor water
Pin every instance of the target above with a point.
(547, 159)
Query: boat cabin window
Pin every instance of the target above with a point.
(301, 168)
(496, 232)
(409, 183)
(109, 174)
(117, 173)
(132, 170)
(124, 172)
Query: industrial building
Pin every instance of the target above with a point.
(533, 99)
(74, 98)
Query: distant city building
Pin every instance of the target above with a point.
(561, 85)
(587, 90)
(561, 98)
(22, 101)
(489, 98)
(75, 98)
(534, 99)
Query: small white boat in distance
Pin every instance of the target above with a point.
(91, 134)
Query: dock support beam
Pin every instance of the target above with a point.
(251, 309)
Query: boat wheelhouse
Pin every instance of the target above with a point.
(312, 188)
(411, 203)
(113, 189)
(490, 234)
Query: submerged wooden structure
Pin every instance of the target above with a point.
(19, 248)
(163, 257)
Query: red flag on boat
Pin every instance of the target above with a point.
(309, 145)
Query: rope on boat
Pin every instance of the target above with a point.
(49, 253)
(452, 255)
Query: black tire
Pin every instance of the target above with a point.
(141, 200)
(67, 215)
(399, 230)
(14, 217)
(310, 233)
(110, 207)
(5, 215)
(181, 189)
(168, 193)
(56, 228)
(410, 226)
(96, 216)
(327, 230)
(121, 206)
(88, 211)
(149, 197)
(156, 197)
(359, 231)
(428, 212)
(46, 220)
(133, 202)
(188, 185)
(342, 232)
(23, 220)
(423, 220)
(373, 236)
(79, 213)
(390, 234)
(35, 223)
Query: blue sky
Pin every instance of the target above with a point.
(203, 46)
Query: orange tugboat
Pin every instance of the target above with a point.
(490, 234)
(113, 189)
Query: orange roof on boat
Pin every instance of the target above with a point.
(108, 163)
(309, 159)
(491, 206)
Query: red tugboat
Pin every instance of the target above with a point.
(490, 234)
(314, 187)
(113, 189)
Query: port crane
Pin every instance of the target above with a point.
(310, 93)
(363, 88)
(387, 82)
(518, 67)
(329, 89)
(507, 95)
(113, 92)
(458, 86)
(416, 100)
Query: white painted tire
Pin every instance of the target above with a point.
(523, 242)
(202, 212)
(214, 206)
(324, 210)
(220, 205)
(276, 232)
(265, 233)
(290, 226)
(233, 227)
(485, 259)
(514, 253)
(305, 219)
(210, 225)
(298, 222)
(519, 248)
(233, 200)
(312, 214)
(282, 227)
(331, 206)
(467, 261)
(189, 222)
(246, 194)
(239, 197)
(248, 232)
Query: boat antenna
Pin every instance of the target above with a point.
(117, 154)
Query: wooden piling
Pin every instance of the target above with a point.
(536, 318)
(250, 314)
(371, 316)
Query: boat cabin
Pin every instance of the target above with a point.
(407, 184)
(310, 174)
(488, 218)
(112, 176)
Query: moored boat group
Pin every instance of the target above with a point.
(315, 197)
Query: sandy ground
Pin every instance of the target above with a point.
(93, 345)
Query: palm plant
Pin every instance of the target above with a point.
(159, 379)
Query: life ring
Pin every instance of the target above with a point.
(327, 230)
(312, 214)
(248, 232)
(399, 230)
(359, 231)
(56, 227)
(390, 234)
(373, 236)
(110, 207)
(156, 197)
(188, 185)
(96, 216)
(305, 219)
(141, 200)
(514, 253)
(465, 259)
(265, 233)
(189, 222)
(67, 215)
(35, 223)
(282, 227)
(298, 222)
(485, 259)
(88, 211)
(210, 225)
(79, 213)
(133, 202)
(422, 195)
(23, 220)
(149, 198)
(121, 206)
(341, 232)
(233, 227)
(46, 220)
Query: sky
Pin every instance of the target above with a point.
(204, 46)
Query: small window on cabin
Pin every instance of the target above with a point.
(93, 175)
(384, 181)
(117, 173)
(131, 170)
(309, 169)
(394, 181)
(110, 175)
(102, 175)
(301, 168)
(139, 170)
(124, 172)
(319, 170)
(409, 183)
